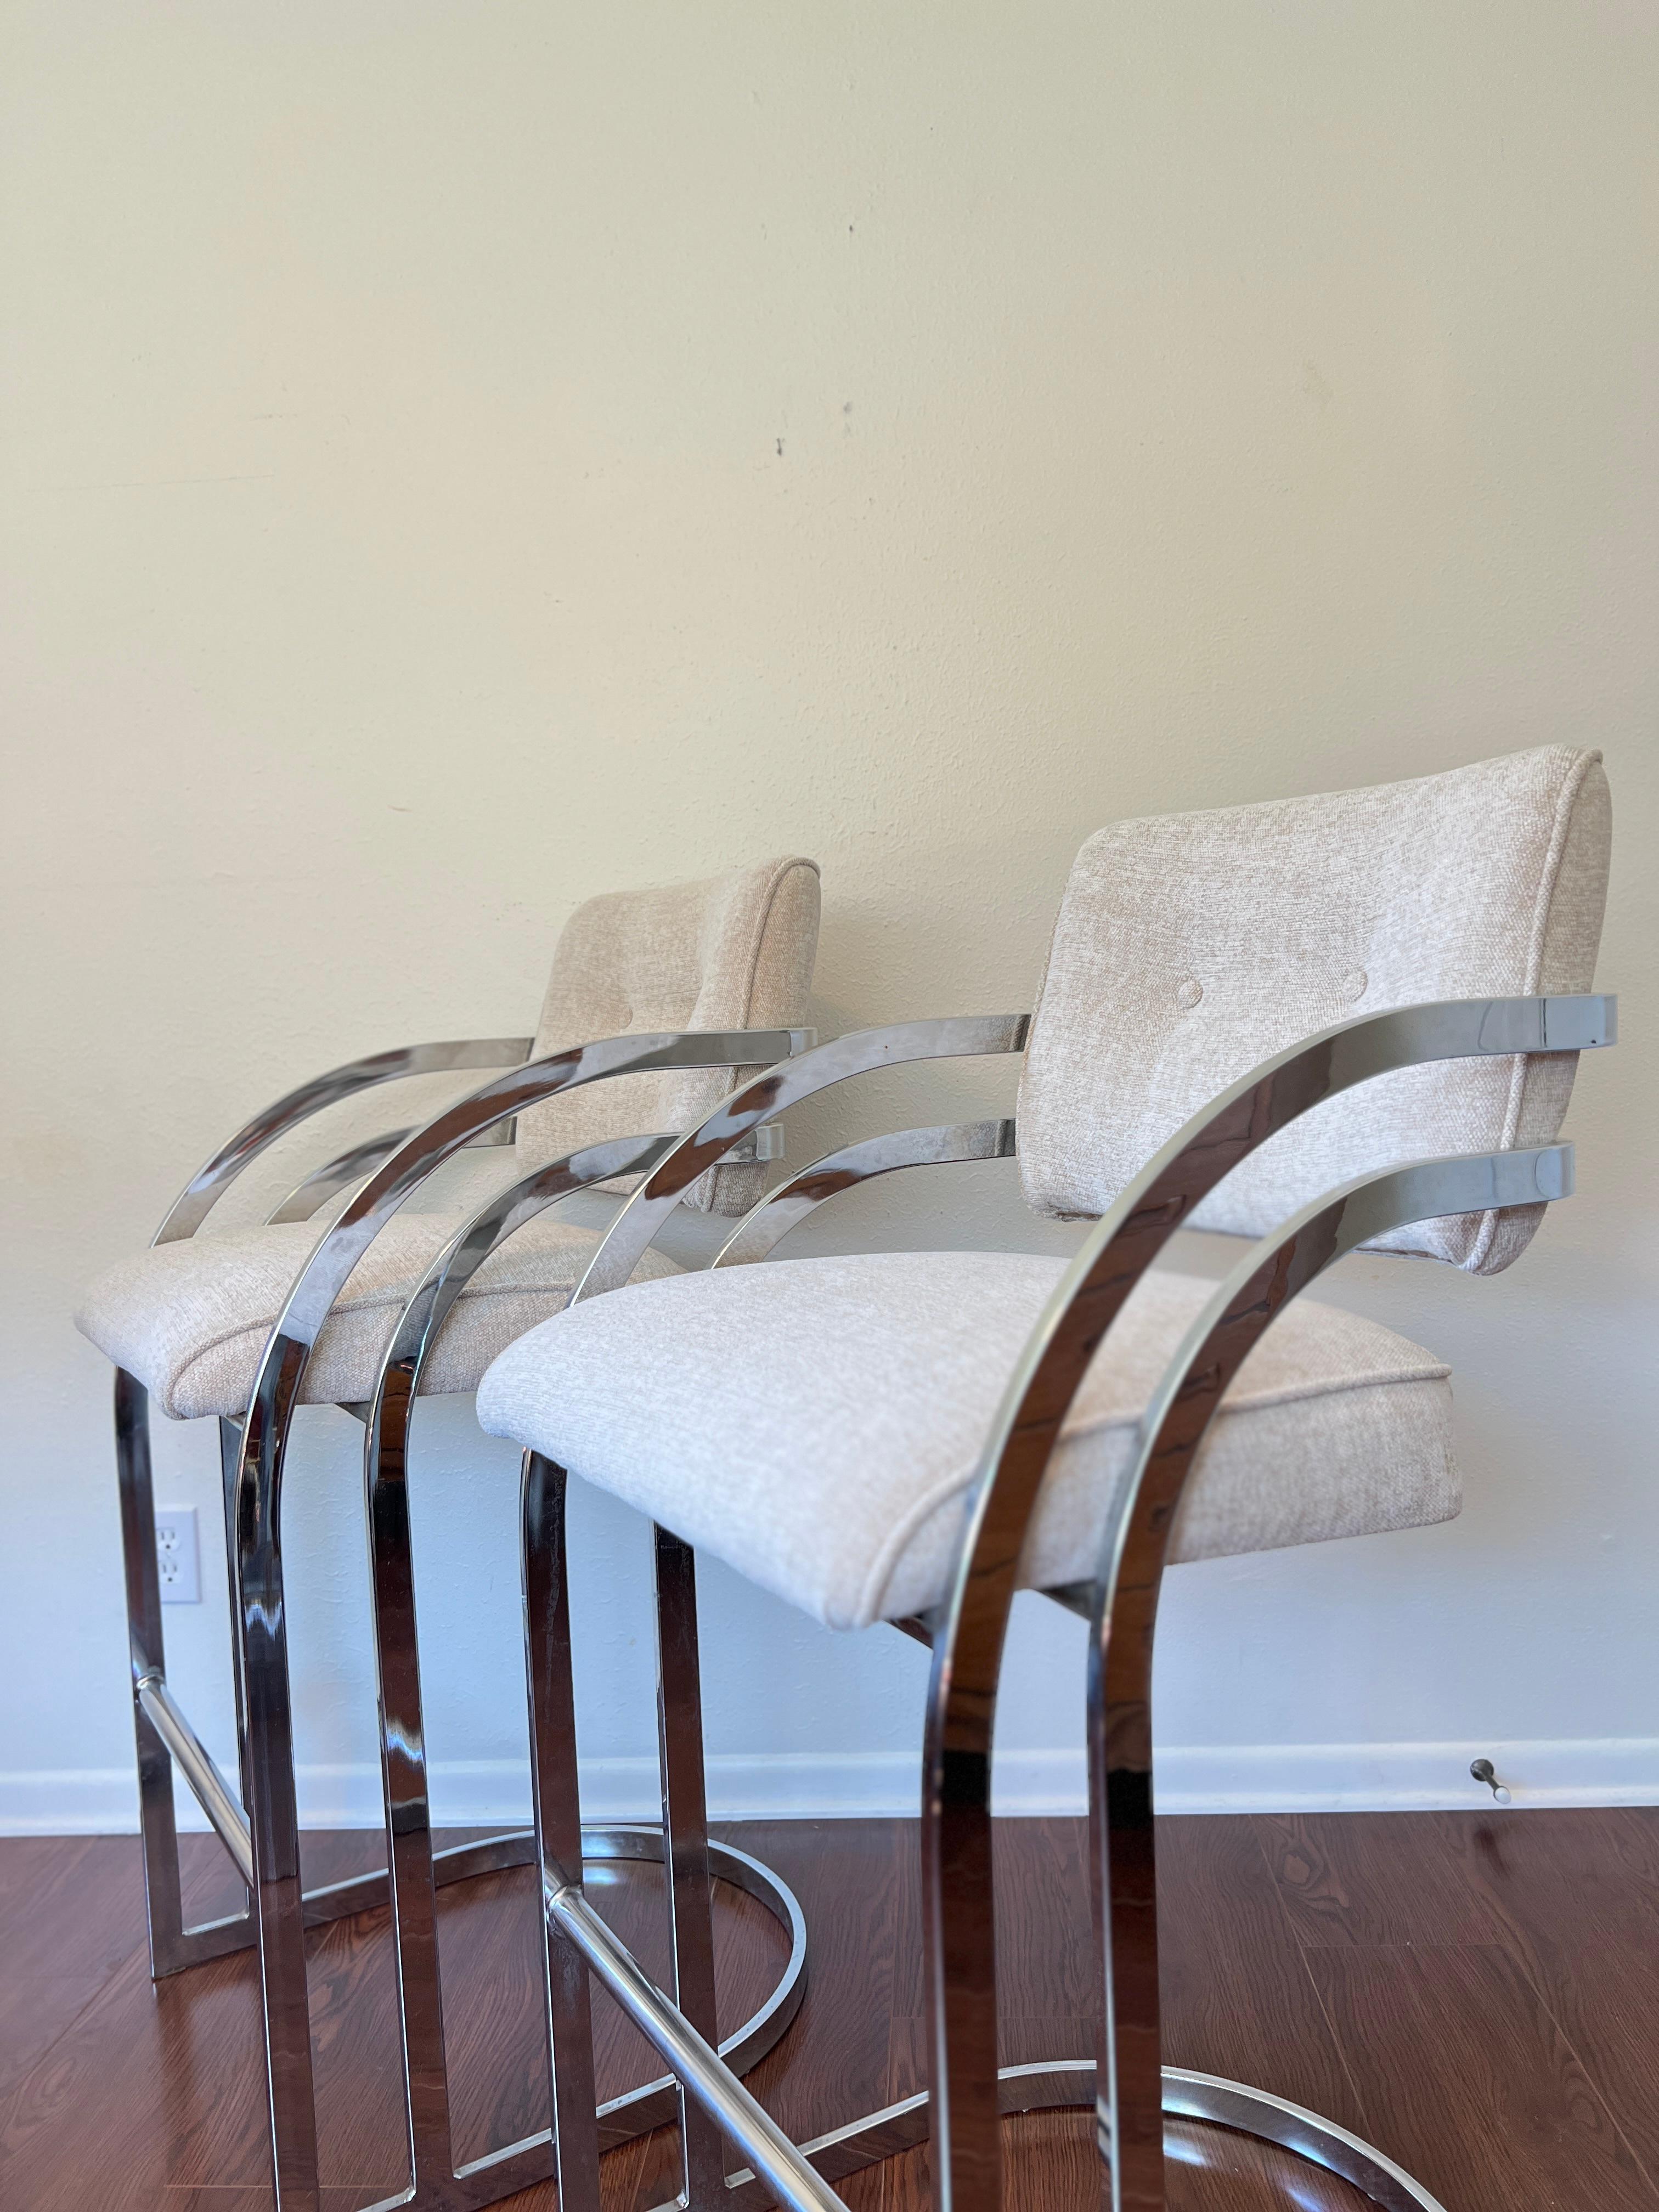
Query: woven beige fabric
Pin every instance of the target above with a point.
(733, 953)
(736, 951)
(815, 1422)
(189, 1320)
(1191, 947)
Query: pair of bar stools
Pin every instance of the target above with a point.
(1316, 1023)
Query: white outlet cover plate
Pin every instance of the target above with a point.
(178, 1555)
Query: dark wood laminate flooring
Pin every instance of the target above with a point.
(1477, 1993)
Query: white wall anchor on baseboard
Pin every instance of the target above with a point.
(1482, 1770)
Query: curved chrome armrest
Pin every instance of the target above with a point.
(208, 1185)
(1127, 1237)
(1244, 1303)
(452, 1269)
(319, 1281)
(312, 1192)
(954, 1036)
(765, 1225)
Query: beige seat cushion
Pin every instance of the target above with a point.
(815, 1422)
(189, 1320)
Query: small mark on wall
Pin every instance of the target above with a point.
(1316, 387)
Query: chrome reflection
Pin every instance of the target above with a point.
(764, 1226)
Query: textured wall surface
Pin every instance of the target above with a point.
(460, 460)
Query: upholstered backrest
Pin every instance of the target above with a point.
(1190, 946)
(733, 952)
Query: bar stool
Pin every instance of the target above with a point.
(682, 987)
(1320, 1024)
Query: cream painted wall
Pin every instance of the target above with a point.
(461, 458)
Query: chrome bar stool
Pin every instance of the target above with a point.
(682, 987)
(1320, 1024)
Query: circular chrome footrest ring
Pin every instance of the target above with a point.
(1053, 2084)
(1274, 2119)
(513, 2166)
(656, 2104)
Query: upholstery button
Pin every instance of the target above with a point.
(1188, 994)
(1353, 984)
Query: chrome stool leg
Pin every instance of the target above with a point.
(163, 1898)
(230, 1446)
(1121, 1606)
(161, 1729)
(683, 1846)
(558, 1830)
(273, 1810)
(685, 1833)
(410, 1873)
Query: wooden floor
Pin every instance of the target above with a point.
(1479, 1994)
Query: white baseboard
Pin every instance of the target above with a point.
(468, 1793)
(1320, 1778)
(1402, 1777)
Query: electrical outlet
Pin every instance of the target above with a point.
(177, 1555)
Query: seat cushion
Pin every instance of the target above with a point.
(189, 1320)
(816, 1423)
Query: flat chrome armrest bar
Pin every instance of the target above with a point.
(765, 1225)
(208, 1185)
(312, 1192)
(859, 1053)
(320, 1282)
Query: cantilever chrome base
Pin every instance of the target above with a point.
(1053, 2084)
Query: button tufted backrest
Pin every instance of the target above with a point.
(1190, 946)
(733, 952)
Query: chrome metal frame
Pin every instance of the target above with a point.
(782, 1208)
(260, 1830)
(1126, 2082)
